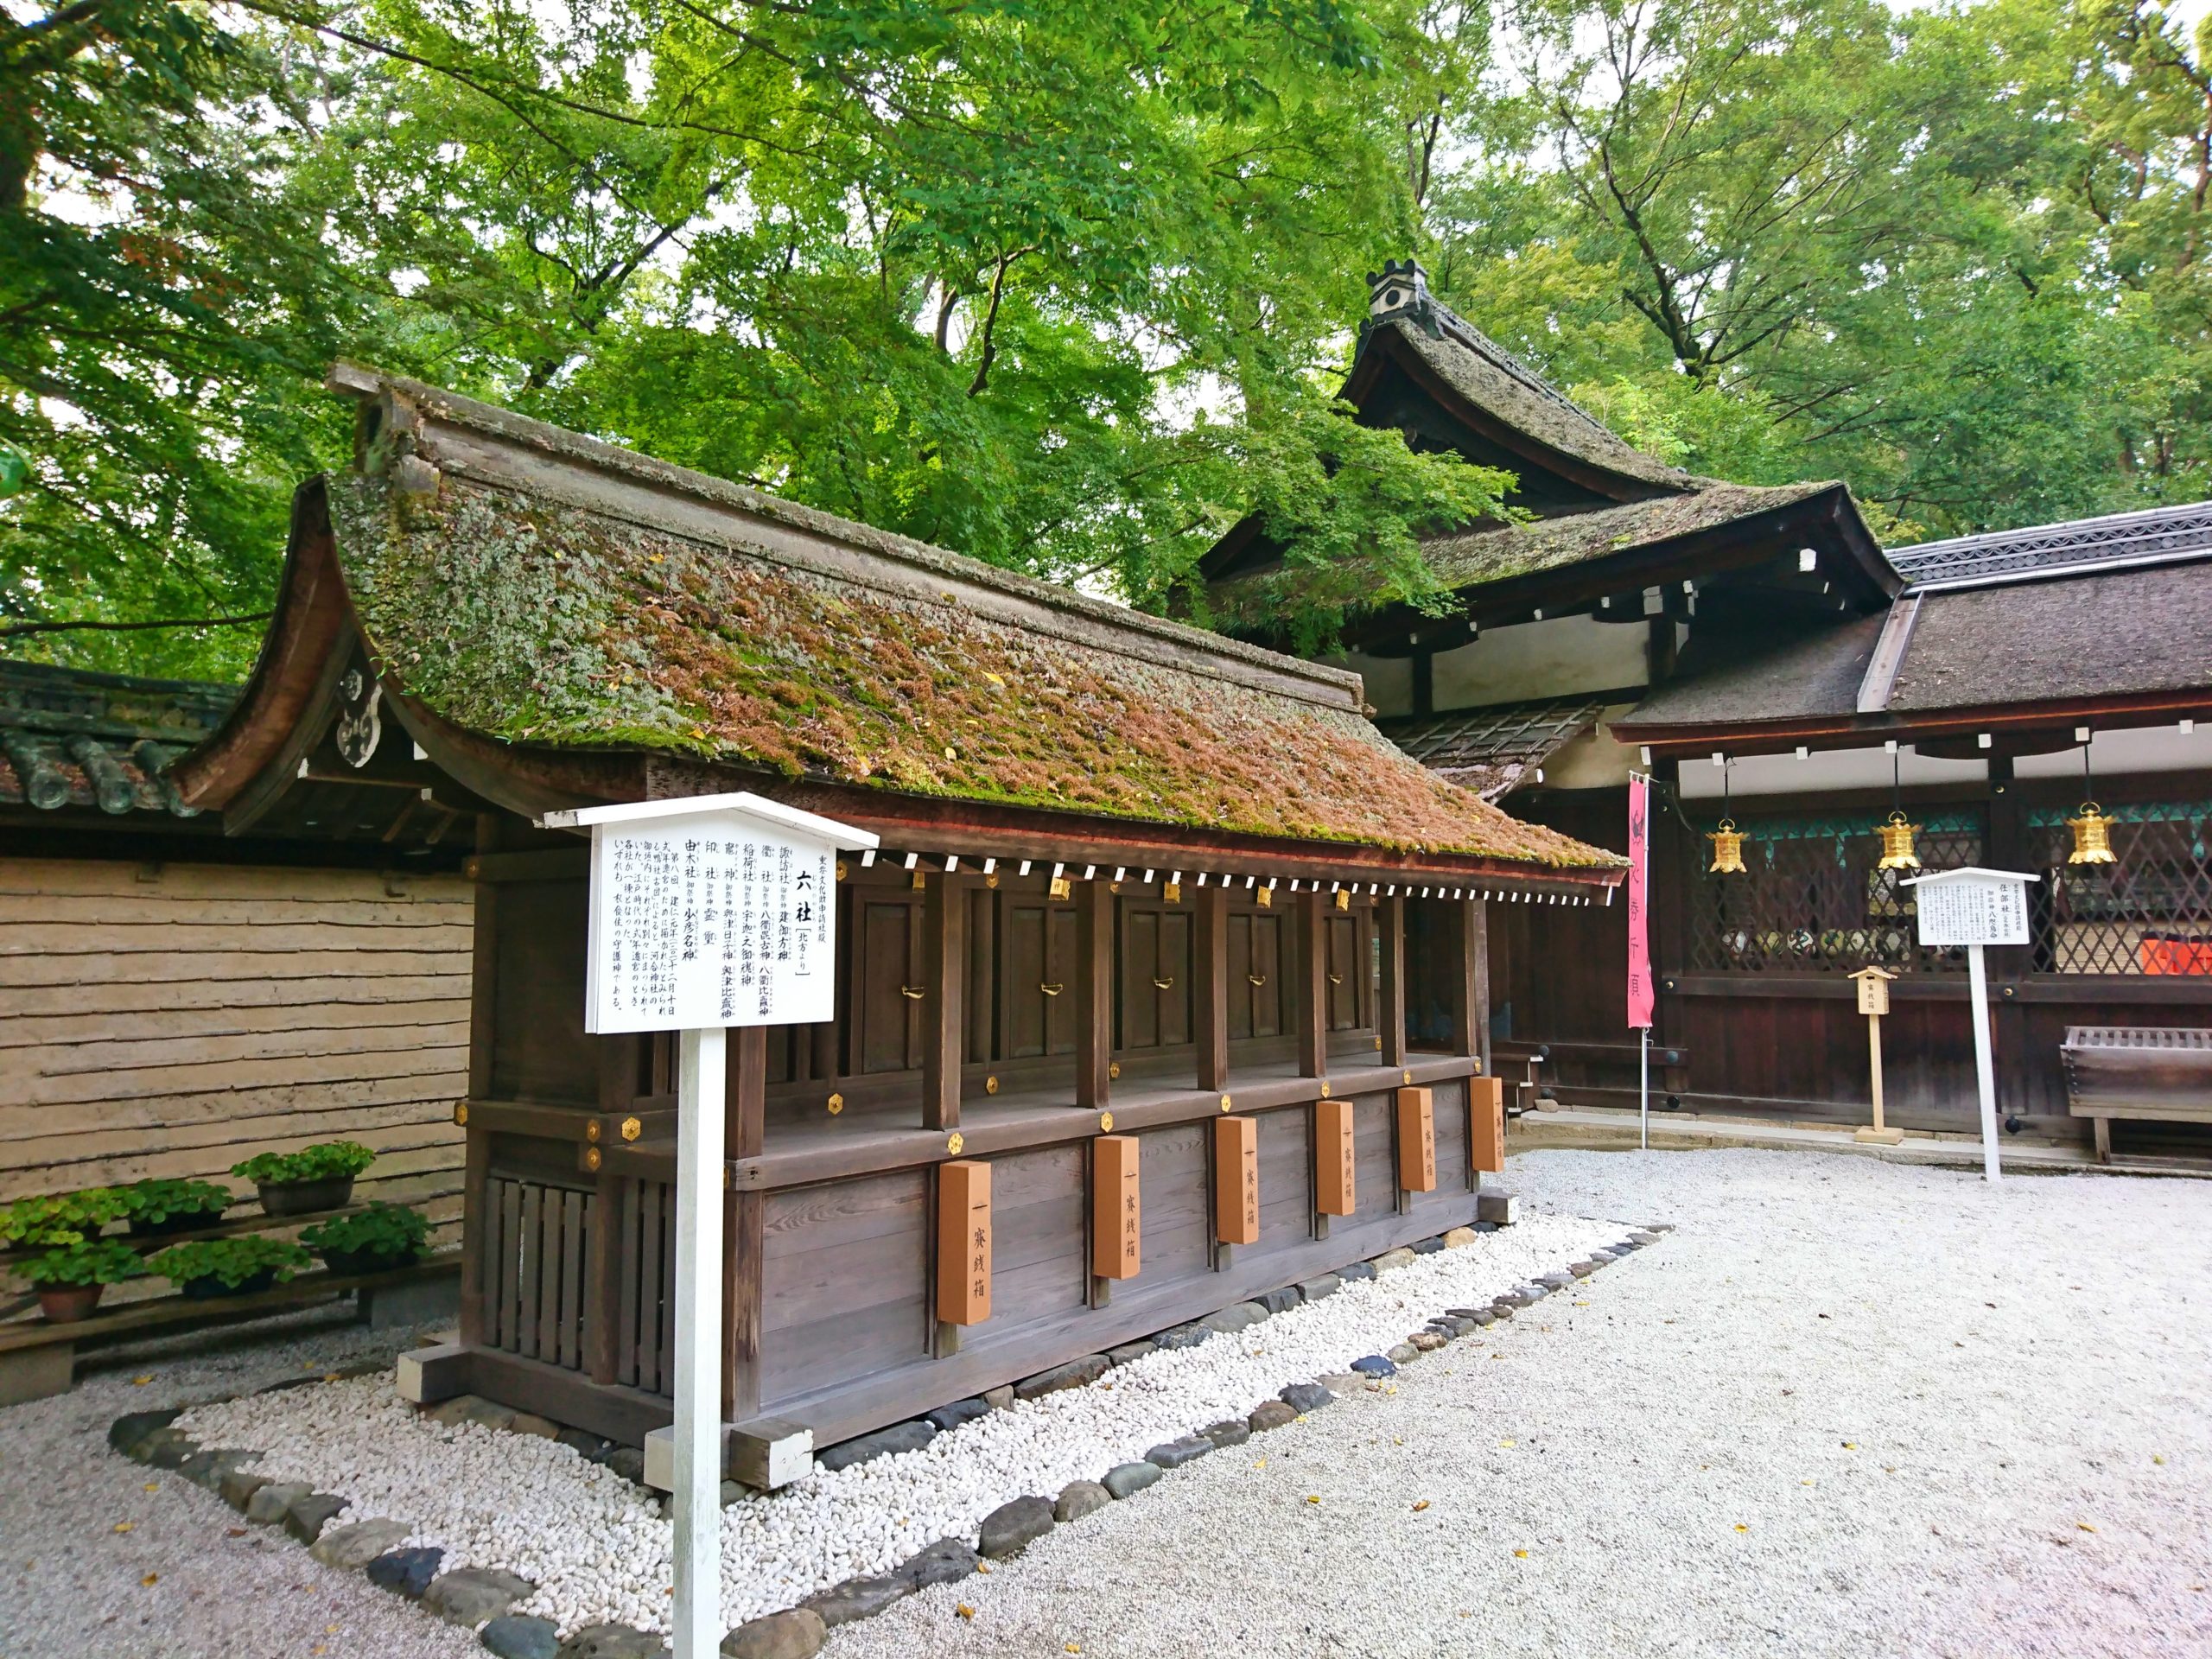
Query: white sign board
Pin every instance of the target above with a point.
(713, 910)
(1971, 906)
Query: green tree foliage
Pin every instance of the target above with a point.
(1064, 288)
(1071, 288)
(1951, 255)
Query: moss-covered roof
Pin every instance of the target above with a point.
(511, 602)
(1572, 538)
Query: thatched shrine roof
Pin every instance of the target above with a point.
(543, 590)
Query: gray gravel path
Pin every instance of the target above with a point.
(74, 1587)
(1849, 1409)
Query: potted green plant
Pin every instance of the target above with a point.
(381, 1237)
(58, 1218)
(229, 1267)
(70, 1278)
(315, 1178)
(157, 1208)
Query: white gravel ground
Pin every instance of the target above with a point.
(73, 1587)
(598, 1554)
(1849, 1409)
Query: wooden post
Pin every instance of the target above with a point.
(963, 1242)
(744, 1224)
(1416, 1141)
(1873, 987)
(1485, 1126)
(1311, 945)
(701, 1101)
(1237, 1180)
(1335, 1184)
(1468, 988)
(1391, 1005)
(1094, 981)
(1209, 961)
(944, 968)
(1116, 1217)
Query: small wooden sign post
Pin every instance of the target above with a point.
(1874, 1002)
(707, 912)
(1976, 907)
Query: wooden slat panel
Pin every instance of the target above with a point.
(1174, 964)
(509, 1264)
(1176, 1215)
(1285, 1176)
(630, 1281)
(42, 878)
(1037, 1263)
(530, 1325)
(574, 1206)
(653, 1356)
(1374, 1135)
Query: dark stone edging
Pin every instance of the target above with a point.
(481, 1598)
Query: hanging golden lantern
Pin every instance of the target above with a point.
(1727, 849)
(2092, 837)
(1896, 844)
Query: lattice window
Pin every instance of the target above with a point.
(2150, 912)
(1809, 899)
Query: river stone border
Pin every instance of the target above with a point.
(481, 1598)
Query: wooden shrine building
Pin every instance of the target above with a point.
(178, 992)
(1160, 925)
(1757, 651)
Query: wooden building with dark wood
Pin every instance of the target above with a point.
(1147, 899)
(1757, 651)
(177, 995)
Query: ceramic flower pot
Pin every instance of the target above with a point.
(347, 1263)
(66, 1304)
(209, 1287)
(305, 1198)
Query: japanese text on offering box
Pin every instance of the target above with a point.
(707, 921)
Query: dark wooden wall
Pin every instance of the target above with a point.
(1792, 1045)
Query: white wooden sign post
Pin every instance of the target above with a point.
(707, 912)
(1976, 907)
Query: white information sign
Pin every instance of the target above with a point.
(714, 910)
(1972, 907)
(1975, 908)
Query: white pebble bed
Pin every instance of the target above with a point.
(600, 1552)
(1849, 1410)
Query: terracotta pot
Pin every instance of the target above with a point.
(305, 1198)
(66, 1304)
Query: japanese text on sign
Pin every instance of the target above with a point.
(709, 921)
(1973, 908)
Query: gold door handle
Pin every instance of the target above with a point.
(1335, 979)
(1167, 984)
(913, 992)
(1051, 990)
(1257, 979)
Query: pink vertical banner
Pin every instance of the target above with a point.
(1639, 903)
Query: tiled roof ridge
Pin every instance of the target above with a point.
(2180, 530)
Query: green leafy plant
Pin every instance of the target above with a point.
(94, 1261)
(152, 1203)
(384, 1232)
(60, 1218)
(330, 1160)
(230, 1262)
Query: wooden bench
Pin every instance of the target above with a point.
(2151, 1071)
(38, 1358)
